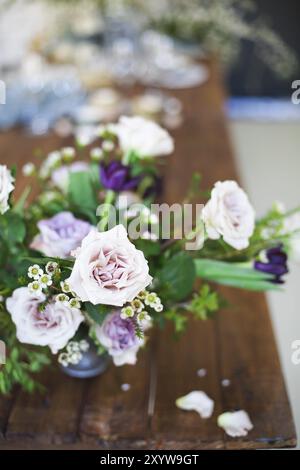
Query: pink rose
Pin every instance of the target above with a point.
(52, 327)
(109, 269)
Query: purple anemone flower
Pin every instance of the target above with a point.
(116, 176)
(276, 264)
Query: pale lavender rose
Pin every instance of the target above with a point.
(60, 234)
(119, 338)
(52, 327)
(109, 269)
(60, 176)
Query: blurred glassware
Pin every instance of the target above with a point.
(39, 95)
(165, 66)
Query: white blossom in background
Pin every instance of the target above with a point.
(235, 424)
(96, 154)
(52, 161)
(142, 136)
(68, 153)
(28, 169)
(196, 401)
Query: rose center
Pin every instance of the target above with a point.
(111, 272)
(44, 319)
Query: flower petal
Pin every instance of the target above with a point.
(235, 424)
(197, 401)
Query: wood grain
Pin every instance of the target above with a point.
(249, 359)
(113, 417)
(237, 345)
(51, 417)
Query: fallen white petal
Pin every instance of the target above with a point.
(225, 382)
(201, 372)
(197, 401)
(235, 424)
(125, 387)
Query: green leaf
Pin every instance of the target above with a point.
(97, 312)
(178, 318)
(12, 228)
(148, 247)
(233, 274)
(249, 284)
(205, 303)
(177, 276)
(81, 194)
(209, 268)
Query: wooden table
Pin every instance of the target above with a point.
(237, 345)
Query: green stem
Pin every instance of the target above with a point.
(109, 198)
(19, 205)
(126, 158)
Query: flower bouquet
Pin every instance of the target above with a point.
(92, 263)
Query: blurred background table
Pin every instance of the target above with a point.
(237, 345)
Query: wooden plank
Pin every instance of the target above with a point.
(249, 359)
(6, 404)
(114, 418)
(177, 364)
(51, 417)
(17, 148)
(178, 361)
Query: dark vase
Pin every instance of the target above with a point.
(91, 364)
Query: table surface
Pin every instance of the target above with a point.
(238, 344)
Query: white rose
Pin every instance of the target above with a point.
(229, 214)
(6, 187)
(52, 327)
(109, 269)
(145, 137)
